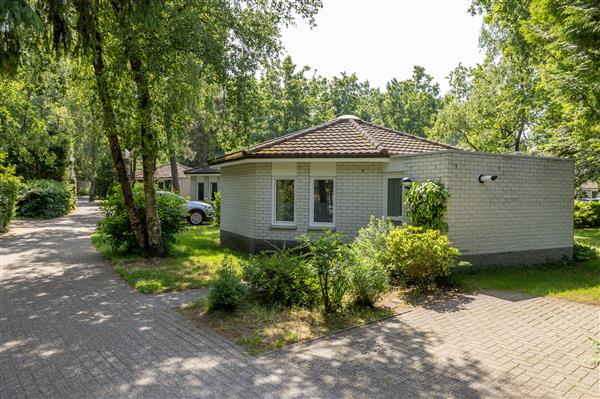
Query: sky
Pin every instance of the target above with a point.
(383, 39)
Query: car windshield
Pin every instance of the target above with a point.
(170, 193)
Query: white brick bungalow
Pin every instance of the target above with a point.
(338, 174)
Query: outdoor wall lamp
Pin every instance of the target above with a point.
(483, 178)
(406, 180)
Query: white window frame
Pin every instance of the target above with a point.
(404, 217)
(274, 198)
(312, 222)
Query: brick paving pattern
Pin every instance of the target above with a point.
(70, 328)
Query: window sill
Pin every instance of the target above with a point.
(283, 227)
(320, 228)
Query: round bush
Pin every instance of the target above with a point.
(227, 291)
(116, 229)
(421, 255)
(46, 199)
(586, 214)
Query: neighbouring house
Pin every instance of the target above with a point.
(204, 182)
(503, 209)
(164, 180)
(588, 189)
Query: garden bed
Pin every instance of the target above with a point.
(259, 328)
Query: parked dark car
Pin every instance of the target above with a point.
(198, 211)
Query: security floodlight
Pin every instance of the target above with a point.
(484, 178)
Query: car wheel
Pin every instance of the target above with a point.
(196, 218)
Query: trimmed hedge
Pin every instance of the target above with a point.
(9, 189)
(586, 214)
(46, 199)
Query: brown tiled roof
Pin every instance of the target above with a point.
(344, 137)
(163, 172)
(202, 170)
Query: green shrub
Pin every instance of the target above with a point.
(283, 277)
(328, 255)
(368, 281)
(84, 191)
(227, 291)
(421, 255)
(371, 242)
(217, 207)
(586, 214)
(9, 189)
(583, 252)
(46, 199)
(427, 205)
(116, 229)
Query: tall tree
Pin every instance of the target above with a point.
(411, 105)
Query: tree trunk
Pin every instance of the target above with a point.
(109, 124)
(149, 150)
(518, 140)
(172, 156)
(174, 173)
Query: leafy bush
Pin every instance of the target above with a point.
(116, 229)
(326, 255)
(46, 199)
(370, 243)
(586, 214)
(368, 281)
(421, 255)
(282, 276)
(9, 188)
(427, 204)
(84, 191)
(369, 277)
(583, 252)
(227, 290)
(217, 207)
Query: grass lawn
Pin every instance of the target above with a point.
(259, 328)
(576, 281)
(192, 263)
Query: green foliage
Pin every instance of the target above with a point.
(105, 176)
(217, 207)
(46, 199)
(326, 255)
(583, 252)
(370, 244)
(9, 189)
(116, 228)
(227, 291)
(282, 277)
(421, 255)
(368, 281)
(369, 276)
(427, 204)
(586, 214)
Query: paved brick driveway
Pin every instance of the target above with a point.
(70, 328)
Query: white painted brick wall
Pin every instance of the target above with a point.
(529, 207)
(238, 187)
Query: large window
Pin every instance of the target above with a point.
(323, 202)
(283, 200)
(394, 197)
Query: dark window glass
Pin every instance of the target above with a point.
(323, 201)
(284, 200)
(201, 191)
(394, 197)
(213, 189)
